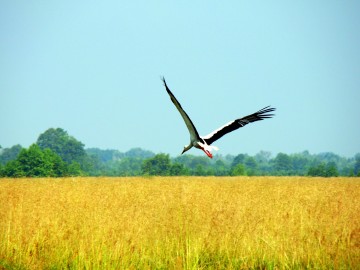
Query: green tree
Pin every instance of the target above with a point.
(263, 157)
(357, 165)
(74, 169)
(300, 163)
(239, 169)
(317, 170)
(331, 170)
(220, 168)
(324, 170)
(282, 164)
(57, 167)
(129, 166)
(251, 166)
(199, 170)
(67, 147)
(93, 166)
(33, 162)
(158, 165)
(263, 160)
(13, 169)
(239, 159)
(8, 154)
(197, 165)
(105, 155)
(178, 169)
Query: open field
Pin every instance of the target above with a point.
(180, 223)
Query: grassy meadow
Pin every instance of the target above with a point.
(180, 223)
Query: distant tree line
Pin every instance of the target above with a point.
(57, 154)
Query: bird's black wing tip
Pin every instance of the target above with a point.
(163, 79)
(267, 109)
(266, 112)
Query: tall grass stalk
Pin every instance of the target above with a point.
(180, 223)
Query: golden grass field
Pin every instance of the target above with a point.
(180, 223)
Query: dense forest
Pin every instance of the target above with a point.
(57, 154)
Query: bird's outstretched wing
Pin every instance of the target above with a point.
(194, 135)
(238, 123)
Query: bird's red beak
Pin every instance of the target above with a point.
(207, 153)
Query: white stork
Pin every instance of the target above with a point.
(204, 143)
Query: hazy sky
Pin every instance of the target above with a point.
(93, 68)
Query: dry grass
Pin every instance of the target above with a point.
(180, 223)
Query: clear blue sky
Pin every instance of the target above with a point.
(93, 68)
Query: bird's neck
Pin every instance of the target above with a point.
(188, 147)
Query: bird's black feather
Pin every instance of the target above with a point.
(238, 123)
(190, 125)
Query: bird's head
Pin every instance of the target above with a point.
(186, 148)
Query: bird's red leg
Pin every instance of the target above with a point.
(207, 153)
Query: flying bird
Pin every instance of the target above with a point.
(204, 142)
